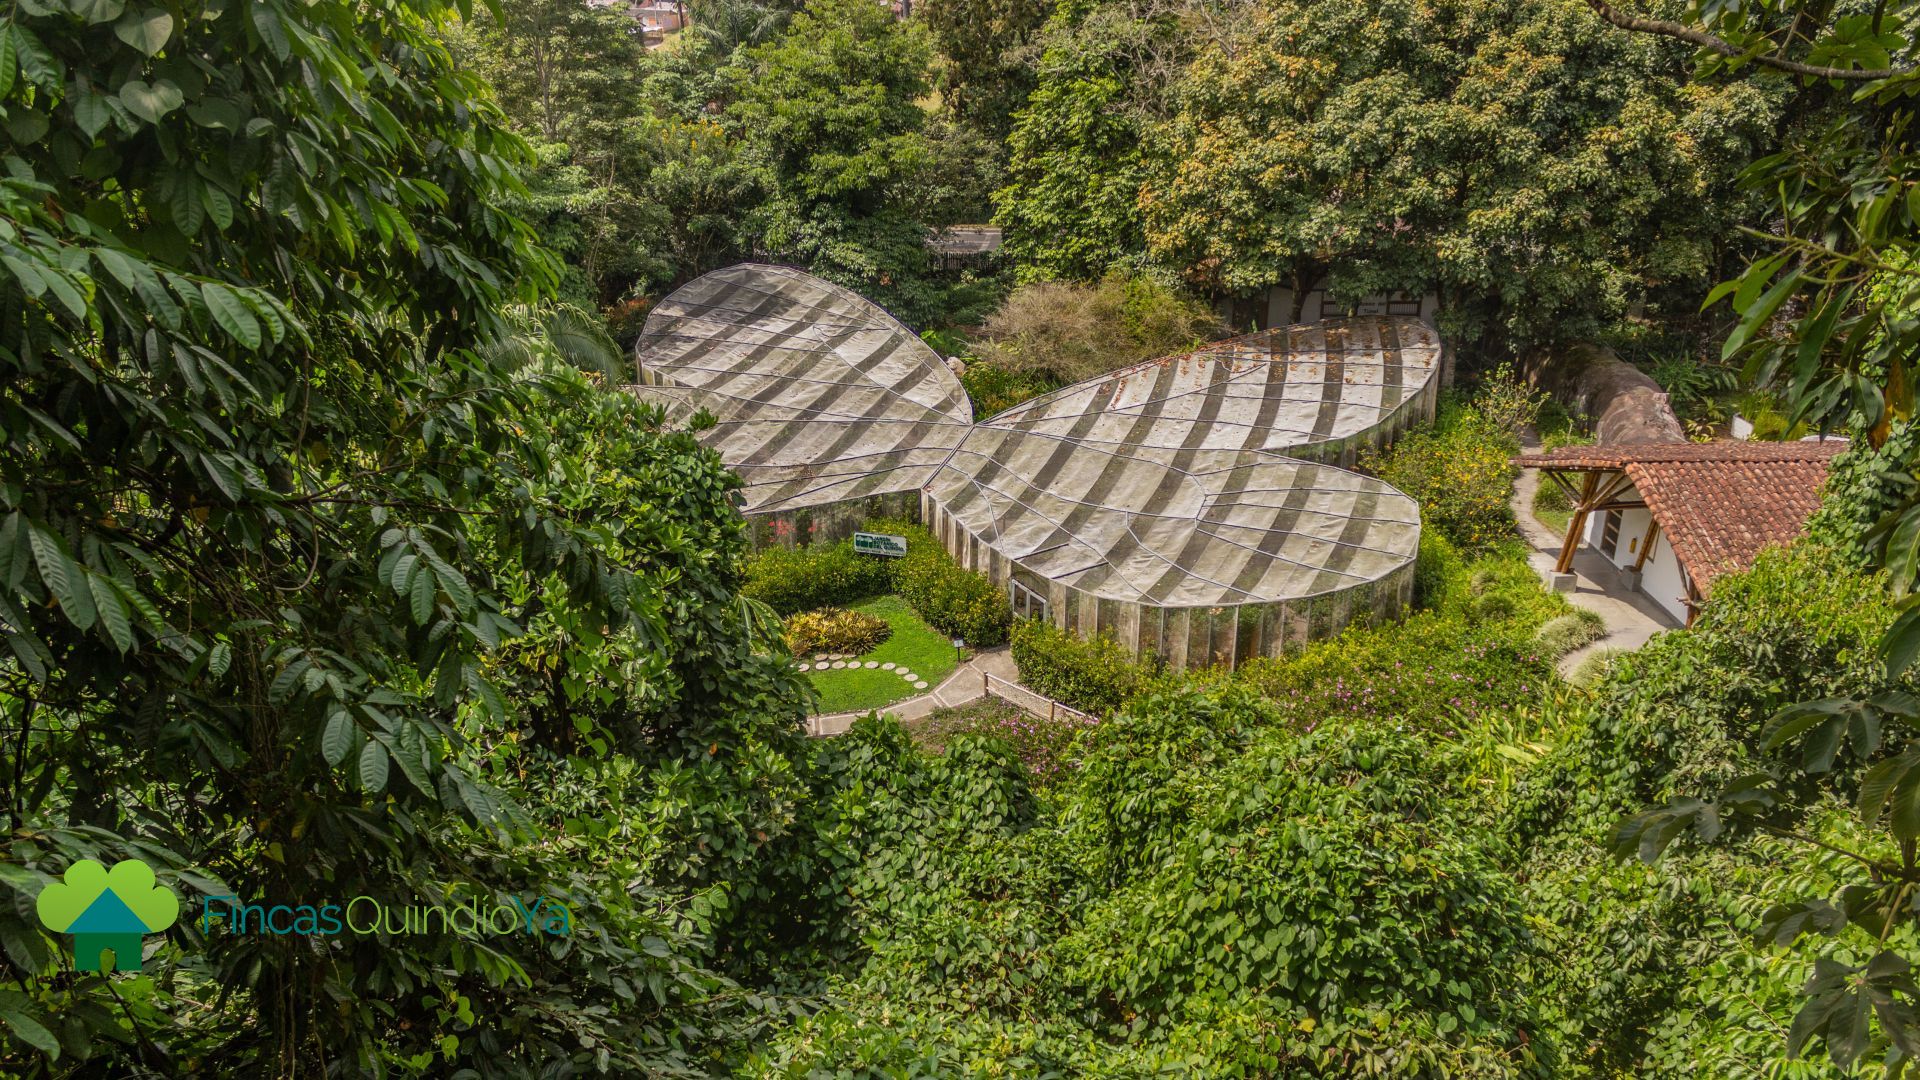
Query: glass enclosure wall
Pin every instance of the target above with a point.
(1184, 637)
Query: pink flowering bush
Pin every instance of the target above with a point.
(1044, 746)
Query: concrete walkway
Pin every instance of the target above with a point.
(964, 685)
(1599, 586)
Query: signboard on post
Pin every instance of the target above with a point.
(879, 544)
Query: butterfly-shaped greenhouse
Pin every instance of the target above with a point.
(1193, 506)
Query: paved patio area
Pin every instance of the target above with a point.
(1599, 586)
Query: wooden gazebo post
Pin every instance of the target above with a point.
(1580, 508)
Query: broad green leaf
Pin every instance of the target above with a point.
(36, 63)
(266, 21)
(423, 590)
(97, 11)
(373, 767)
(113, 611)
(31, 1032)
(151, 102)
(62, 577)
(1876, 787)
(90, 112)
(1754, 318)
(146, 30)
(337, 741)
(1905, 819)
(233, 316)
(1901, 643)
(9, 63)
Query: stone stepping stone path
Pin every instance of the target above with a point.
(871, 664)
(921, 685)
(907, 675)
(888, 666)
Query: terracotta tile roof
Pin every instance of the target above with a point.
(1718, 503)
(1618, 455)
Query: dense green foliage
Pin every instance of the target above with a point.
(1865, 484)
(954, 600)
(1459, 471)
(1095, 675)
(324, 577)
(1540, 171)
(792, 580)
(325, 569)
(1672, 965)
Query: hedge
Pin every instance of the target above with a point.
(792, 580)
(1095, 676)
(952, 599)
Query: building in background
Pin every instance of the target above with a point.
(1677, 515)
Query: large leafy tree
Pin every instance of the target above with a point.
(988, 54)
(1825, 313)
(830, 110)
(568, 76)
(288, 465)
(1075, 159)
(1541, 173)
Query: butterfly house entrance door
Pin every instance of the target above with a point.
(1027, 603)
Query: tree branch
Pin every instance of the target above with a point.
(1681, 32)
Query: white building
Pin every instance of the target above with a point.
(1678, 515)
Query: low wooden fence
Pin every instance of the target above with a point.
(1025, 699)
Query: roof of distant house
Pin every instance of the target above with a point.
(966, 240)
(1719, 503)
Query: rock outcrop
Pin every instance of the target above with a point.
(1625, 405)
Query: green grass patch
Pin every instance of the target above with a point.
(914, 645)
(1551, 507)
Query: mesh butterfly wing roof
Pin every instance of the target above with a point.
(1177, 482)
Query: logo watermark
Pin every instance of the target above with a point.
(365, 915)
(108, 912)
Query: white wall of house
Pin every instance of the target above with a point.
(1661, 577)
(1664, 582)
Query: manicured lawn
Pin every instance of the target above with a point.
(914, 645)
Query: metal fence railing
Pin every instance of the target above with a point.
(1023, 698)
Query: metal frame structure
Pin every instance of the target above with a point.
(1194, 506)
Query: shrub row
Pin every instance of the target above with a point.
(1459, 471)
(1096, 676)
(792, 580)
(952, 599)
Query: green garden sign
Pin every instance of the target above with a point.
(879, 544)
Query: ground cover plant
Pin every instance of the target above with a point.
(1044, 745)
(911, 645)
(836, 630)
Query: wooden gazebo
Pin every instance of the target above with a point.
(1717, 503)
